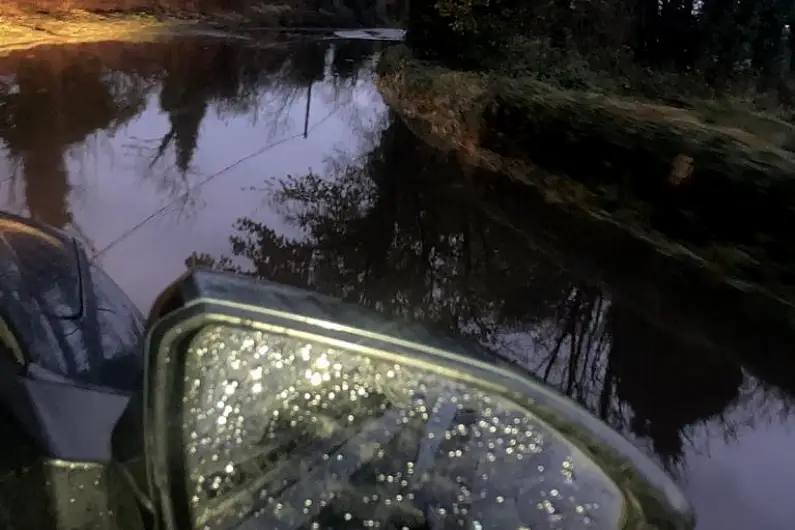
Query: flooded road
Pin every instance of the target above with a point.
(280, 159)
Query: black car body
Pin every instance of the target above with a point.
(71, 355)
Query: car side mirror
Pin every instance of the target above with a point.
(272, 407)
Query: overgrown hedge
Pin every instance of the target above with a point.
(464, 34)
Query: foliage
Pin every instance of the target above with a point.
(463, 33)
(462, 15)
(713, 46)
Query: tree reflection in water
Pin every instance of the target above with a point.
(47, 111)
(670, 384)
(235, 80)
(409, 231)
(59, 98)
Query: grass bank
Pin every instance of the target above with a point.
(30, 23)
(22, 30)
(712, 184)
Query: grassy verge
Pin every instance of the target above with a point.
(26, 30)
(719, 196)
(21, 29)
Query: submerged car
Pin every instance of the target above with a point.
(251, 405)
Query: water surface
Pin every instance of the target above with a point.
(279, 158)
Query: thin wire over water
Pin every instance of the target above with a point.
(97, 255)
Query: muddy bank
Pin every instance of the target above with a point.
(253, 13)
(28, 23)
(149, 6)
(15, 6)
(717, 197)
(21, 32)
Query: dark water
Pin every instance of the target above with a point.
(280, 158)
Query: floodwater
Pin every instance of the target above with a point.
(280, 158)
